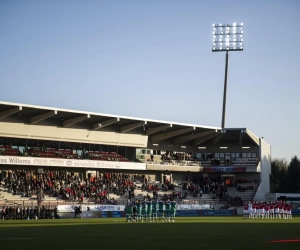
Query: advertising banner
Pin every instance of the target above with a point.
(115, 208)
(90, 208)
(186, 213)
(217, 212)
(121, 214)
(70, 215)
(192, 206)
(224, 169)
(38, 161)
(296, 212)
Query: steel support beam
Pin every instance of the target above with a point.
(72, 121)
(9, 112)
(164, 136)
(132, 126)
(205, 138)
(217, 139)
(158, 129)
(105, 123)
(186, 138)
(38, 118)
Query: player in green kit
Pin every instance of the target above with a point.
(154, 210)
(128, 211)
(139, 211)
(149, 210)
(144, 209)
(168, 210)
(160, 210)
(173, 210)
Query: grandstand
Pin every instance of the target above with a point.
(78, 156)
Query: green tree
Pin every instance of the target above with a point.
(278, 177)
(285, 178)
(294, 175)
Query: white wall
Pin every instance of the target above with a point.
(54, 133)
(265, 170)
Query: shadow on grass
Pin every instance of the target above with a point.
(184, 235)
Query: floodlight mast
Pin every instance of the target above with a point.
(227, 37)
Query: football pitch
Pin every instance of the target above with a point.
(203, 233)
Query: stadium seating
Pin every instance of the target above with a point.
(56, 187)
(246, 162)
(63, 153)
(8, 150)
(107, 156)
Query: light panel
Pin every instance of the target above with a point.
(228, 37)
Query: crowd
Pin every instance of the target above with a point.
(28, 213)
(169, 156)
(70, 186)
(75, 187)
(207, 185)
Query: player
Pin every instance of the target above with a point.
(280, 210)
(154, 210)
(250, 209)
(262, 209)
(284, 207)
(289, 211)
(134, 211)
(139, 211)
(267, 211)
(149, 210)
(272, 210)
(128, 211)
(277, 215)
(161, 210)
(144, 210)
(173, 210)
(168, 210)
(245, 210)
(254, 205)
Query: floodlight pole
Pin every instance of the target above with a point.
(225, 91)
(227, 37)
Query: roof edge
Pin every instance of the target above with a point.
(103, 114)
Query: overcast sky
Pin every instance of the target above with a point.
(153, 59)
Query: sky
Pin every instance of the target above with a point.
(153, 59)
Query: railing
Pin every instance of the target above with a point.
(199, 163)
(32, 203)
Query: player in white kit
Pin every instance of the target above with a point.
(250, 212)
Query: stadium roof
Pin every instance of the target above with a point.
(156, 130)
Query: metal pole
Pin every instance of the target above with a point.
(225, 91)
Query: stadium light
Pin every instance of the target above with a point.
(227, 37)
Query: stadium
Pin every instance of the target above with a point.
(91, 144)
(54, 161)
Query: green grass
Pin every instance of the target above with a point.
(203, 233)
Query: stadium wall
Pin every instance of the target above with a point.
(264, 168)
(12, 127)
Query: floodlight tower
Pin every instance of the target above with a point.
(227, 37)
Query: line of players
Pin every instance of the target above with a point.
(255, 210)
(150, 210)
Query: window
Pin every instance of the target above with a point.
(244, 155)
(221, 155)
(237, 155)
(148, 152)
(248, 155)
(217, 155)
(254, 155)
(233, 155)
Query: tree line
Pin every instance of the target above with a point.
(285, 177)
